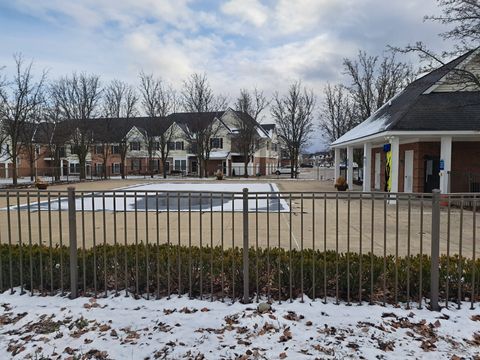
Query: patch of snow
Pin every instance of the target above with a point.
(125, 328)
(219, 155)
(369, 127)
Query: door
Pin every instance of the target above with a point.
(408, 181)
(377, 171)
(432, 177)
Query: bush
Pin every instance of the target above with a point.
(164, 270)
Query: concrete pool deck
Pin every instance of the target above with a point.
(184, 228)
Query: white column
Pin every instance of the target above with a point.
(350, 167)
(367, 167)
(395, 149)
(445, 163)
(337, 164)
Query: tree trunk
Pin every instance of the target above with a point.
(245, 169)
(199, 166)
(205, 168)
(123, 168)
(82, 168)
(32, 170)
(56, 166)
(292, 164)
(14, 169)
(164, 168)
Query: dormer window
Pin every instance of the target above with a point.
(134, 145)
(216, 143)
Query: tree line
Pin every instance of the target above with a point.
(26, 100)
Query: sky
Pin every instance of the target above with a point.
(237, 43)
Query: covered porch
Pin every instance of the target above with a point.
(414, 162)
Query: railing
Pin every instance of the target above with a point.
(349, 246)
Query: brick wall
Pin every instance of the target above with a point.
(465, 166)
(420, 150)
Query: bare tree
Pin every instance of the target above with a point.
(158, 100)
(78, 99)
(459, 74)
(28, 142)
(374, 81)
(464, 15)
(119, 101)
(19, 103)
(198, 97)
(253, 103)
(246, 137)
(338, 113)
(54, 134)
(293, 114)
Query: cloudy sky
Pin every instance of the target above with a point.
(238, 43)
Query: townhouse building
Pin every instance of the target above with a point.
(132, 146)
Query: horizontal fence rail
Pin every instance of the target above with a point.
(347, 246)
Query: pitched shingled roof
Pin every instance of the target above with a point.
(115, 129)
(415, 109)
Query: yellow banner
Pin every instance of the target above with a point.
(388, 170)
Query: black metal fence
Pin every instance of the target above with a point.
(346, 246)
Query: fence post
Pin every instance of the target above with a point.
(246, 278)
(72, 231)
(435, 251)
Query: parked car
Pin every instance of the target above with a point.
(304, 165)
(284, 170)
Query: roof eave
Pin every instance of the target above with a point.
(404, 133)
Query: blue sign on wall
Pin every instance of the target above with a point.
(442, 164)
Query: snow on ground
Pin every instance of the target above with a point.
(124, 328)
(147, 199)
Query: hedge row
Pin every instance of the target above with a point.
(163, 270)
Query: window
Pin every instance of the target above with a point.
(193, 148)
(175, 145)
(179, 145)
(156, 146)
(115, 149)
(216, 143)
(61, 151)
(74, 168)
(134, 145)
(136, 165)
(116, 168)
(180, 165)
(99, 169)
(74, 149)
(99, 149)
(154, 164)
